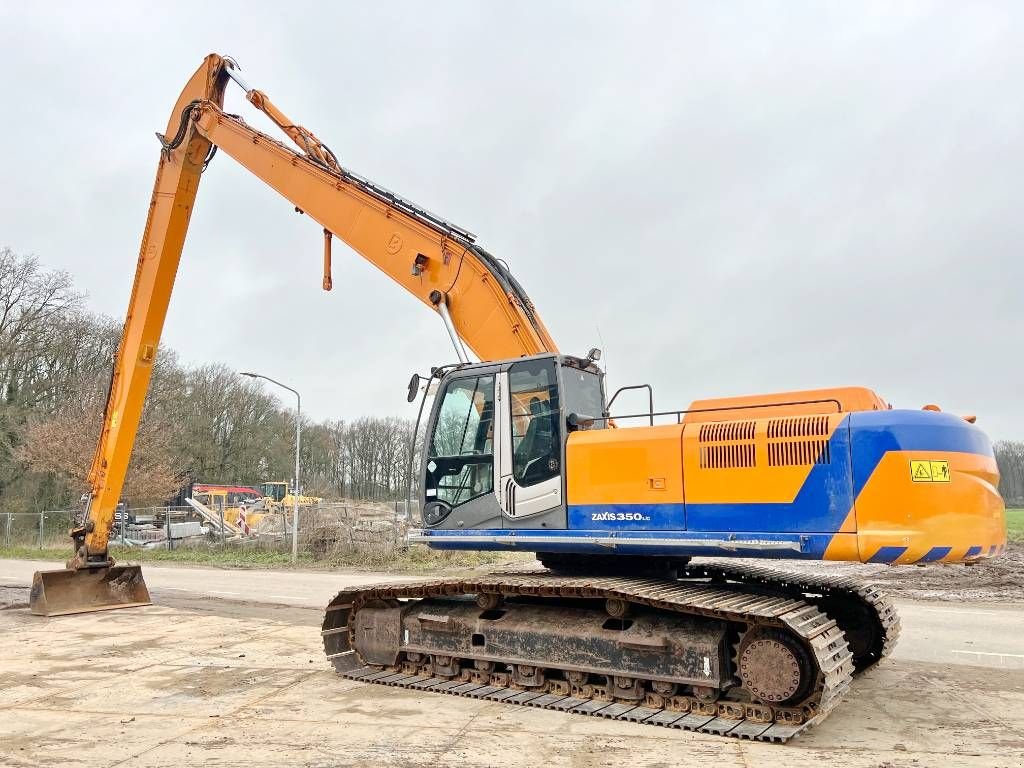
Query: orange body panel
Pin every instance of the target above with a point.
(844, 547)
(638, 465)
(966, 512)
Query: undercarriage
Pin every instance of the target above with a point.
(750, 652)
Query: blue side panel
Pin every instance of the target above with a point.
(663, 543)
(973, 552)
(887, 554)
(935, 553)
(874, 433)
(627, 517)
(821, 505)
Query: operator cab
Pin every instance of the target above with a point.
(495, 445)
(275, 491)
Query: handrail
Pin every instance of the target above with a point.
(620, 390)
(678, 414)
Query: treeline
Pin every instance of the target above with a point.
(202, 423)
(1010, 458)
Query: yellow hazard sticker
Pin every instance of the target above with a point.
(926, 471)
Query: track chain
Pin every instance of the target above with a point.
(699, 592)
(742, 728)
(795, 582)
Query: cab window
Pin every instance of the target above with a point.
(460, 460)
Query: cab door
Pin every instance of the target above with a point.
(529, 469)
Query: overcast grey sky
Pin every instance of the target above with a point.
(737, 197)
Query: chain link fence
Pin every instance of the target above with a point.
(35, 529)
(374, 530)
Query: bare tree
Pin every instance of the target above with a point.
(32, 302)
(1010, 458)
(203, 423)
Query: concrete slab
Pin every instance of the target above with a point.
(46, 737)
(246, 685)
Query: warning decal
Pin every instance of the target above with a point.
(923, 471)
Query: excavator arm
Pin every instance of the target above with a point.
(438, 262)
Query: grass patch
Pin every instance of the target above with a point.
(416, 559)
(1015, 524)
(229, 557)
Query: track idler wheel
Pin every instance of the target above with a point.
(774, 666)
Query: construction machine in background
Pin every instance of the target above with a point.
(524, 453)
(278, 496)
(270, 497)
(227, 498)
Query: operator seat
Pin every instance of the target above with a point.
(537, 444)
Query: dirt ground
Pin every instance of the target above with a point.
(999, 580)
(212, 682)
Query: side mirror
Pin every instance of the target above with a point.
(435, 511)
(414, 387)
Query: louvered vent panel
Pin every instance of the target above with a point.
(722, 431)
(727, 456)
(732, 453)
(813, 448)
(801, 426)
(791, 453)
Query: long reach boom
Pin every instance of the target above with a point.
(481, 303)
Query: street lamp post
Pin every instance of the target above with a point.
(298, 442)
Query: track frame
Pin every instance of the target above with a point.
(755, 596)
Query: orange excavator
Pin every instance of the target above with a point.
(524, 453)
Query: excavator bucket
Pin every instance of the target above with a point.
(68, 590)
